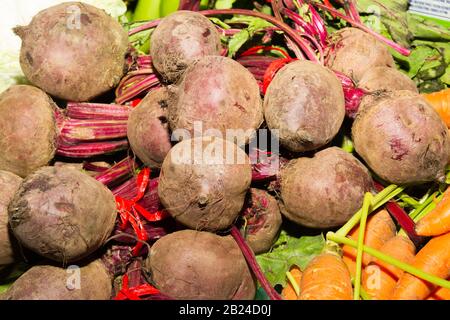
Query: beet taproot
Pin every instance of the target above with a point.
(9, 183)
(73, 51)
(401, 138)
(203, 182)
(305, 103)
(48, 282)
(323, 191)
(62, 214)
(28, 129)
(353, 52)
(148, 129)
(217, 93)
(386, 79)
(196, 265)
(181, 38)
(262, 220)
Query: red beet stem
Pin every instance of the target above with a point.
(253, 264)
(97, 111)
(193, 5)
(75, 131)
(91, 149)
(118, 171)
(390, 43)
(402, 218)
(138, 88)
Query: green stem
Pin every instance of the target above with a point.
(378, 200)
(428, 208)
(293, 283)
(422, 206)
(363, 294)
(410, 201)
(359, 253)
(388, 259)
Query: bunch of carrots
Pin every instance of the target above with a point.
(374, 261)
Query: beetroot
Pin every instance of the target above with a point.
(9, 183)
(47, 282)
(203, 182)
(73, 51)
(353, 52)
(323, 191)
(62, 213)
(387, 79)
(305, 103)
(200, 265)
(401, 138)
(219, 94)
(262, 220)
(28, 129)
(179, 40)
(148, 130)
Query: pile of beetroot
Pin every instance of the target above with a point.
(143, 203)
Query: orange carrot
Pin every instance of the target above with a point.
(379, 229)
(433, 258)
(379, 278)
(440, 294)
(438, 220)
(441, 103)
(288, 292)
(326, 277)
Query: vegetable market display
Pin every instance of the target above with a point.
(116, 160)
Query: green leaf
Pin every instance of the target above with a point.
(224, 4)
(287, 252)
(254, 25)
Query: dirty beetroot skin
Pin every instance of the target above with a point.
(47, 282)
(221, 94)
(25, 148)
(387, 79)
(263, 220)
(180, 39)
(401, 138)
(354, 51)
(9, 183)
(199, 265)
(323, 191)
(148, 130)
(70, 62)
(310, 113)
(62, 214)
(202, 195)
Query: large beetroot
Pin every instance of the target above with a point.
(217, 93)
(203, 182)
(179, 40)
(354, 51)
(73, 51)
(200, 265)
(62, 214)
(47, 282)
(28, 129)
(401, 138)
(9, 183)
(305, 103)
(323, 191)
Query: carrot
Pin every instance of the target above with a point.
(440, 294)
(379, 278)
(441, 103)
(437, 221)
(380, 228)
(326, 277)
(288, 292)
(433, 258)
